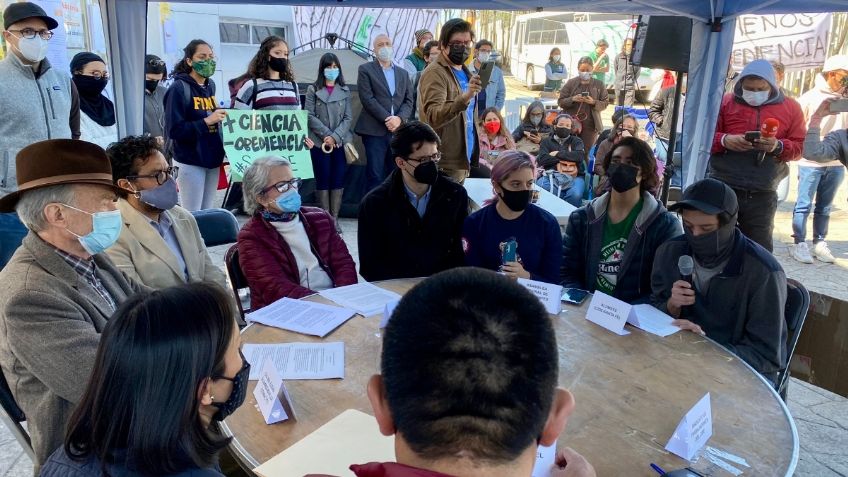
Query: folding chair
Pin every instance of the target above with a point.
(797, 306)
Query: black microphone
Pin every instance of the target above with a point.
(686, 266)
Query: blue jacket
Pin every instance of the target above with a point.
(60, 465)
(495, 90)
(187, 104)
(583, 240)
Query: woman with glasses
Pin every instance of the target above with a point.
(168, 369)
(510, 234)
(610, 242)
(97, 118)
(532, 129)
(192, 125)
(160, 244)
(286, 250)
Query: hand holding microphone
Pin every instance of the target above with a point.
(767, 142)
(682, 291)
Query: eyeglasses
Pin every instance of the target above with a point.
(97, 75)
(154, 62)
(29, 33)
(421, 160)
(161, 176)
(283, 186)
(460, 44)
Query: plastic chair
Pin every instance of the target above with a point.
(797, 306)
(12, 416)
(238, 282)
(217, 226)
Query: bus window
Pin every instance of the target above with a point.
(561, 37)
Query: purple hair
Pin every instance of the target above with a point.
(509, 162)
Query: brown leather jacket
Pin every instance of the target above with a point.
(440, 106)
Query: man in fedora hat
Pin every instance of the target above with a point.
(59, 290)
(38, 102)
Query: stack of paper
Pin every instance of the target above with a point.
(298, 360)
(301, 316)
(352, 437)
(365, 298)
(652, 320)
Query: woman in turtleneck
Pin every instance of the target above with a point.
(97, 121)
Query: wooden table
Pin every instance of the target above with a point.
(631, 392)
(480, 190)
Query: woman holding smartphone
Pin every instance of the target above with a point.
(584, 98)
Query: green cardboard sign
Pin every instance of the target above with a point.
(249, 135)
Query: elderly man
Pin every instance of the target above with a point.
(385, 91)
(751, 165)
(160, 244)
(38, 102)
(59, 289)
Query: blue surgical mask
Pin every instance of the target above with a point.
(289, 201)
(105, 230)
(331, 74)
(755, 98)
(385, 53)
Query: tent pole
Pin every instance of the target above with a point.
(672, 140)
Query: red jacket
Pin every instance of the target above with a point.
(270, 267)
(736, 117)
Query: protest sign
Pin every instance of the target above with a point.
(249, 135)
(798, 40)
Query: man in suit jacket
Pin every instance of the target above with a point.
(160, 244)
(59, 290)
(386, 95)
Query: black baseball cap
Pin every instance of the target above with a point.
(16, 12)
(710, 196)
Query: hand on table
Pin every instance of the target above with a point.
(689, 326)
(571, 464)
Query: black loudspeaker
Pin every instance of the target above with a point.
(663, 42)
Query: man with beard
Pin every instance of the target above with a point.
(737, 292)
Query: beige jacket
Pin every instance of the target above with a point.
(143, 255)
(50, 325)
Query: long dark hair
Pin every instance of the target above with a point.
(155, 353)
(327, 60)
(261, 63)
(188, 53)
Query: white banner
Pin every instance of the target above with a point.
(798, 40)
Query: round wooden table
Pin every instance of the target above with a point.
(631, 392)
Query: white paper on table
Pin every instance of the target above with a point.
(694, 430)
(366, 298)
(549, 294)
(648, 318)
(545, 461)
(302, 316)
(350, 437)
(608, 312)
(270, 394)
(298, 360)
(387, 313)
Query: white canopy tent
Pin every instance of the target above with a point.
(714, 22)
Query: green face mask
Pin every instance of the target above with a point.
(204, 68)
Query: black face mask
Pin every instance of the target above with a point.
(713, 248)
(622, 177)
(237, 395)
(516, 200)
(280, 65)
(562, 133)
(426, 173)
(459, 54)
(89, 86)
(150, 85)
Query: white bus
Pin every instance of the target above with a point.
(575, 34)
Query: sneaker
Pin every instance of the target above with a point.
(801, 252)
(822, 252)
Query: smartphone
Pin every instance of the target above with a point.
(839, 106)
(750, 136)
(509, 253)
(574, 295)
(485, 73)
(585, 94)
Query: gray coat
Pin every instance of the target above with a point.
(50, 325)
(377, 102)
(36, 107)
(833, 146)
(329, 114)
(154, 112)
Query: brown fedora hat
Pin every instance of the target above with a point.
(58, 161)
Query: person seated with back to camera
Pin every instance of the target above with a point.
(610, 242)
(511, 226)
(286, 250)
(561, 160)
(168, 369)
(737, 293)
(468, 382)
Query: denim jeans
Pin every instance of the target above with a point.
(378, 159)
(821, 183)
(12, 232)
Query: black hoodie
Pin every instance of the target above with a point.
(187, 104)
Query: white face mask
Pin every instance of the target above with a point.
(33, 49)
(755, 98)
(585, 75)
(556, 58)
(385, 53)
(484, 56)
